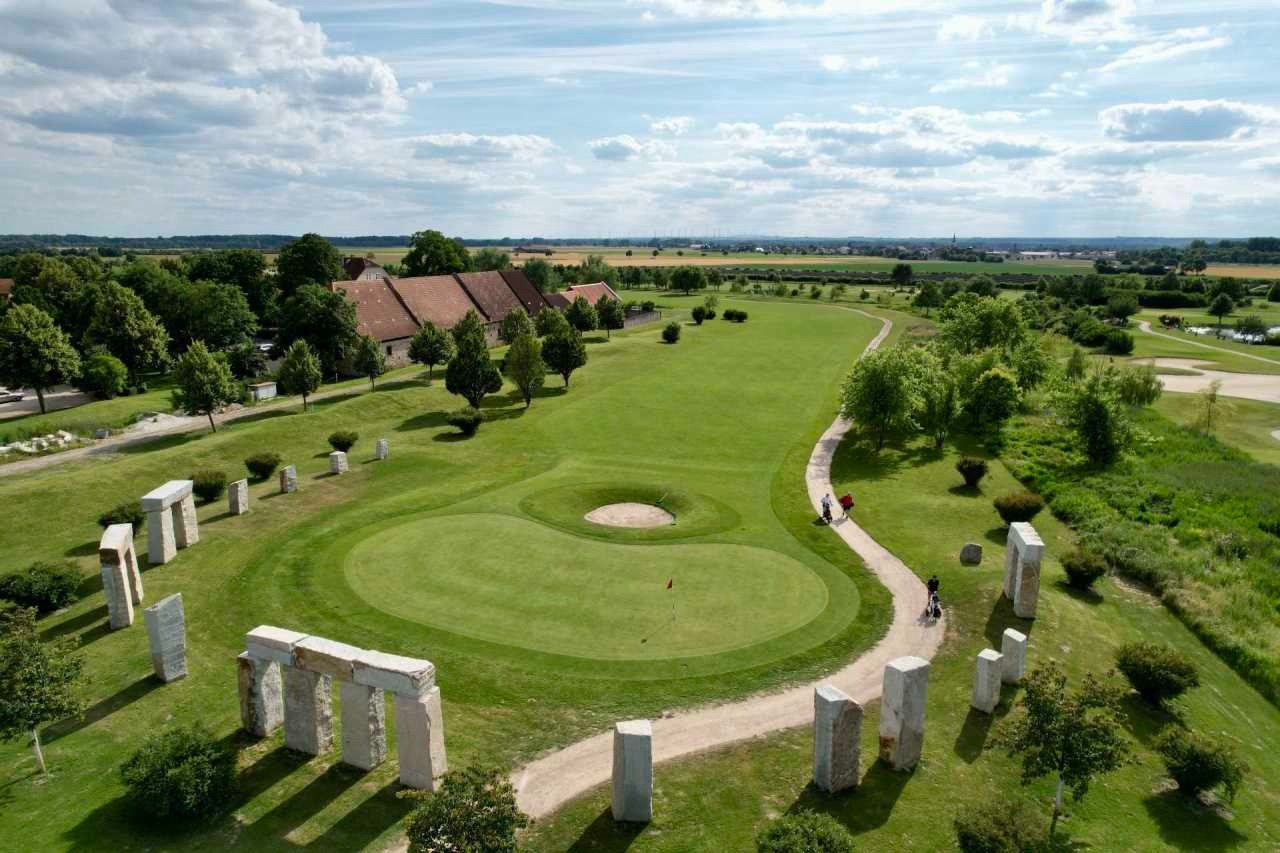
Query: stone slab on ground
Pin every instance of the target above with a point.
(364, 726)
(382, 449)
(288, 479)
(261, 695)
(337, 462)
(902, 711)
(308, 711)
(238, 497)
(420, 740)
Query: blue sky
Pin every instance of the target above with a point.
(641, 117)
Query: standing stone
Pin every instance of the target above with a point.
(288, 480)
(1023, 551)
(902, 705)
(171, 520)
(186, 529)
(261, 695)
(420, 739)
(121, 579)
(633, 771)
(116, 588)
(383, 449)
(1013, 648)
(238, 495)
(986, 681)
(167, 635)
(337, 462)
(308, 711)
(971, 554)
(837, 731)
(364, 726)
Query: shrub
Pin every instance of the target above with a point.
(129, 512)
(343, 439)
(699, 314)
(44, 586)
(972, 469)
(262, 465)
(103, 375)
(473, 810)
(671, 332)
(999, 826)
(730, 314)
(208, 485)
(1018, 506)
(180, 773)
(1118, 342)
(740, 317)
(1198, 763)
(711, 313)
(1270, 525)
(1083, 567)
(1157, 672)
(648, 305)
(466, 420)
(805, 832)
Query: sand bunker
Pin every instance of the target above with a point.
(630, 515)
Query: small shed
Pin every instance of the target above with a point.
(262, 391)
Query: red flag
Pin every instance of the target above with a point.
(670, 582)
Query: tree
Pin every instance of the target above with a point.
(432, 253)
(300, 371)
(524, 365)
(927, 297)
(1221, 306)
(969, 323)
(217, 314)
(473, 811)
(1071, 736)
(487, 259)
(582, 315)
(1198, 763)
(35, 353)
(471, 374)
(1076, 364)
(1092, 410)
(1273, 295)
(515, 324)
(102, 375)
(688, 279)
(1122, 306)
(369, 360)
(1253, 327)
(715, 279)
(244, 268)
(611, 315)
(1138, 386)
(38, 681)
(805, 832)
(1209, 406)
(565, 352)
(203, 382)
(937, 402)
(1031, 363)
(246, 361)
(902, 274)
(311, 259)
(124, 327)
(993, 399)
(877, 394)
(542, 275)
(549, 321)
(325, 319)
(431, 345)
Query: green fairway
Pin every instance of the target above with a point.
(1213, 352)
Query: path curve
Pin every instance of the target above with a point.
(1246, 386)
(1145, 326)
(549, 782)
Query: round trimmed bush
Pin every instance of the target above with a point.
(182, 773)
(972, 469)
(129, 512)
(711, 313)
(1198, 763)
(1000, 826)
(730, 314)
(1157, 672)
(262, 465)
(805, 832)
(699, 314)
(1083, 567)
(671, 332)
(1118, 342)
(208, 485)
(343, 439)
(466, 420)
(44, 586)
(1018, 506)
(741, 317)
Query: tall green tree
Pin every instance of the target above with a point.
(124, 327)
(300, 371)
(1031, 362)
(203, 382)
(993, 399)
(524, 365)
(542, 275)
(369, 360)
(56, 289)
(311, 259)
(611, 314)
(1094, 412)
(325, 319)
(928, 297)
(39, 682)
(471, 374)
(1077, 364)
(218, 314)
(432, 253)
(515, 324)
(877, 394)
(902, 274)
(582, 315)
(549, 321)
(1221, 306)
(969, 323)
(431, 345)
(246, 269)
(688, 279)
(35, 353)
(486, 259)
(564, 352)
(937, 397)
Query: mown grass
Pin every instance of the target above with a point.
(1219, 353)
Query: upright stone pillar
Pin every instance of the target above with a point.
(364, 726)
(986, 681)
(1013, 650)
(171, 520)
(383, 449)
(238, 497)
(1024, 550)
(902, 706)
(121, 579)
(308, 711)
(167, 636)
(337, 462)
(116, 588)
(288, 479)
(633, 771)
(420, 739)
(837, 731)
(185, 527)
(261, 695)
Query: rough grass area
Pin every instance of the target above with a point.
(1243, 424)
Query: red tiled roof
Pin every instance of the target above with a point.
(558, 301)
(489, 290)
(524, 290)
(438, 298)
(592, 292)
(6, 287)
(379, 311)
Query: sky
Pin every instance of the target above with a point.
(615, 118)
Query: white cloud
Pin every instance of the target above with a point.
(964, 28)
(833, 63)
(555, 80)
(1090, 21)
(1177, 44)
(671, 125)
(1185, 121)
(777, 9)
(418, 89)
(470, 148)
(627, 147)
(979, 76)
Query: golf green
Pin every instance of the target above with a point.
(548, 591)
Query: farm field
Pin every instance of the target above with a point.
(1244, 270)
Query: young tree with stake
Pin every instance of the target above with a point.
(369, 360)
(38, 681)
(524, 365)
(431, 345)
(300, 371)
(203, 382)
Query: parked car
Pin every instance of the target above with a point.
(7, 396)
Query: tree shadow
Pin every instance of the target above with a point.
(75, 623)
(1002, 617)
(866, 807)
(214, 519)
(425, 420)
(149, 443)
(102, 709)
(451, 437)
(997, 536)
(259, 777)
(972, 739)
(88, 549)
(258, 417)
(606, 834)
(966, 491)
(1086, 596)
(1146, 721)
(550, 391)
(1187, 824)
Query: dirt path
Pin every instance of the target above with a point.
(1146, 327)
(1248, 386)
(547, 783)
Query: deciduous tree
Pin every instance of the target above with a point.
(487, 259)
(524, 365)
(431, 345)
(611, 314)
(432, 253)
(124, 327)
(300, 371)
(582, 315)
(688, 279)
(877, 394)
(471, 374)
(473, 810)
(564, 352)
(515, 324)
(39, 682)
(325, 319)
(35, 353)
(369, 360)
(311, 259)
(203, 382)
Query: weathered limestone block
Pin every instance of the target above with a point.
(238, 497)
(337, 462)
(1023, 551)
(308, 711)
(171, 520)
(420, 740)
(161, 547)
(971, 554)
(271, 643)
(288, 479)
(383, 449)
(633, 771)
(837, 731)
(987, 680)
(116, 588)
(186, 529)
(1013, 648)
(902, 706)
(402, 676)
(261, 695)
(326, 657)
(116, 549)
(364, 726)
(167, 636)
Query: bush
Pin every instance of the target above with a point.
(1157, 672)
(1118, 342)
(180, 773)
(1018, 506)
(1000, 826)
(262, 465)
(648, 305)
(103, 375)
(730, 314)
(466, 420)
(740, 317)
(44, 586)
(1083, 567)
(208, 485)
(1198, 763)
(711, 313)
(972, 469)
(699, 314)
(129, 512)
(343, 439)
(473, 810)
(671, 332)
(805, 832)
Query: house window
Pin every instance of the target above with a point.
(388, 350)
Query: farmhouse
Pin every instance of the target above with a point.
(362, 269)
(593, 293)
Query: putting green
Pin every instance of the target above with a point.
(508, 580)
